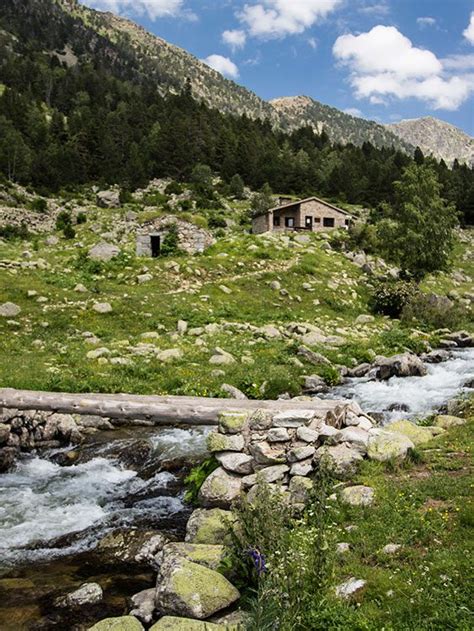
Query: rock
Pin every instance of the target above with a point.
(236, 462)
(188, 589)
(446, 422)
(221, 358)
(103, 252)
(4, 433)
(87, 594)
(220, 489)
(300, 488)
(52, 240)
(144, 278)
(343, 548)
(268, 475)
(182, 327)
(232, 422)
(358, 495)
(260, 420)
(131, 546)
(7, 458)
(436, 357)
(265, 454)
(108, 199)
(9, 310)
(314, 384)
(350, 588)
(80, 288)
(98, 352)
(173, 623)
(209, 556)
(269, 331)
(403, 365)
(417, 434)
(125, 623)
(307, 435)
(278, 435)
(360, 371)
(293, 418)
(385, 445)
(144, 605)
(313, 358)
(209, 526)
(220, 442)
(364, 319)
(391, 548)
(102, 307)
(341, 460)
(300, 453)
(170, 355)
(233, 392)
(313, 339)
(356, 436)
(302, 468)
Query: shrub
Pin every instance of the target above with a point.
(432, 312)
(170, 245)
(69, 232)
(10, 232)
(186, 205)
(155, 199)
(390, 297)
(63, 220)
(236, 186)
(39, 205)
(217, 221)
(81, 218)
(196, 478)
(174, 188)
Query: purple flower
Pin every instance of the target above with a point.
(258, 560)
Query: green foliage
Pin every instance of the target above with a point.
(63, 219)
(81, 218)
(174, 188)
(170, 244)
(11, 232)
(390, 297)
(196, 477)
(236, 187)
(69, 232)
(39, 205)
(418, 234)
(432, 312)
(262, 201)
(217, 221)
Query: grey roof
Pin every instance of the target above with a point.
(309, 199)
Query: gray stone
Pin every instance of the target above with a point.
(233, 392)
(220, 489)
(293, 418)
(236, 462)
(87, 594)
(307, 435)
(102, 307)
(265, 454)
(358, 495)
(314, 384)
(391, 548)
(350, 588)
(302, 468)
(144, 605)
(103, 252)
(278, 435)
(383, 445)
(219, 442)
(403, 365)
(210, 527)
(341, 460)
(9, 310)
(268, 475)
(170, 355)
(221, 358)
(108, 199)
(300, 488)
(301, 453)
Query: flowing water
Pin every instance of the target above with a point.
(411, 397)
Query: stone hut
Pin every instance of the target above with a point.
(192, 239)
(311, 214)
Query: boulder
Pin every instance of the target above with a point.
(278, 435)
(4, 433)
(307, 435)
(124, 623)
(108, 199)
(350, 588)
(220, 489)
(314, 384)
(169, 355)
(87, 594)
(103, 252)
(313, 358)
(191, 590)
(301, 453)
(9, 310)
(268, 475)
(144, 605)
(265, 454)
(209, 556)
(221, 358)
(293, 418)
(403, 365)
(358, 495)
(341, 460)
(209, 527)
(446, 422)
(236, 462)
(384, 445)
(232, 422)
(131, 546)
(233, 392)
(391, 548)
(173, 623)
(417, 434)
(102, 307)
(222, 442)
(7, 458)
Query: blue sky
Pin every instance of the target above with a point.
(381, 59)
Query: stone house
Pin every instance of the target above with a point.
(311, 214)
(192, 239)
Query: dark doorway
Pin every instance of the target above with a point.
(308, 223)
(155, 246)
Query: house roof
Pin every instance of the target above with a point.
(308, 199)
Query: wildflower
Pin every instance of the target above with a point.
(258, 560)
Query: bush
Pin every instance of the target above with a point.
(170, 245)
(174, 188)
(217, 221)
(196, 478)
(39, 205)
(81, 218)
(429, 311)
(63, 220)
(186, 205)
(10, 232)
(390, 297)
(69, 232)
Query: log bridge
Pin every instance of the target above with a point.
(157, 410)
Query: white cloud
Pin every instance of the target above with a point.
(270, 19)
(353, 111)
(224, 65)
(469, 32)
(384, 64)
(313, 42)
(458, 62)
(427, 21)
(152, 8)
(235, 39)
(378, 9)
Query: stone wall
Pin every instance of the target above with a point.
(192, 239)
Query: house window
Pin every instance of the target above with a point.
(317, 219)
(329, 222)
(347, 222)
(276, 221)
(289, 222)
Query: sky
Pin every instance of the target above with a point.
(385, 60)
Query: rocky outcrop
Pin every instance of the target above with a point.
(108, 199)
(403, 365)
(103, 252)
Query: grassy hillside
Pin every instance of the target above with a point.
(241, 284)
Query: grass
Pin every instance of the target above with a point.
(424, 506)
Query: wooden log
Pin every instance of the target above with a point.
(161, 410)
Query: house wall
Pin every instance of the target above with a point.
(261, 223)
(314, 209)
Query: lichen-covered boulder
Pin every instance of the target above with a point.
(173, 623)
(300, 488)
(220, 442)
(209, 556)
(209, 526)
(341, 460)
(191, 590)
(446, 422)
(124, 623)
(384, 445)
(358, 495)
(417, 434)
(220, 489)
(232, 422)
(236, 462)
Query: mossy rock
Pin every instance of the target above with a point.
(384, 446)
(220, 489)
(191, 590)
(417, 434)
(446, 422)
(125, 623)
(172, 623)
(210, 527)
(232, 422)
(220, 442)
(209, 556)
